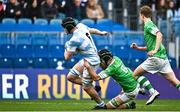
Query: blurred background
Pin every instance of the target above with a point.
(32, 44)
(31, 35)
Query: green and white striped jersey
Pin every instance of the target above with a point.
(150, 30)
(121, 74)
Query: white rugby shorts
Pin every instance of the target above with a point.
(156, 65)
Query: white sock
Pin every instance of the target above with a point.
(101, 104)
(151, 91)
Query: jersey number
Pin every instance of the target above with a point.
(87, 34)
(124, 69)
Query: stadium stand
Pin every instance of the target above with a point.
(53, 39)
(53, 62)
(24, 21)
(8, 21)
(88, 22)
(176, 27)
(41, 44)
(119, 39)
(24, 51)
(39, 39)
(23, 38)
(40, 21)
(56, 51)
(5, 39)
(6, 62)
(40, 63)
(55, 21)
(21, 63)
(41, 51)
(7, 50)
(163, 27)
(105, 21)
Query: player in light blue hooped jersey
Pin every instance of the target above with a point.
(82, 42)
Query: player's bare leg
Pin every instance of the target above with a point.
(172, 79)
(73, 76)
(92, 92)
(74, 79)
(138, 72)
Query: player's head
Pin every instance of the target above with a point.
(105, 57)
(68, 24)
(145, 12)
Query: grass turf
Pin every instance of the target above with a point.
(81, 105)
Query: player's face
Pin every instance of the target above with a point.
(65, 30)
(141, 16)
(103, 65)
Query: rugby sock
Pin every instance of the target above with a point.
(178, 86)
(130, 105)
(102, 104)
(144, 82)
(127, 105)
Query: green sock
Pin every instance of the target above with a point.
(178, 86)
(130, 105)
(127, 105)
(144, 82)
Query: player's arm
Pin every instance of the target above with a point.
(70, 50)
(135, 46)
(91, 71)
(155, 31)
(96, 31)
(158, 44)
(67, 55)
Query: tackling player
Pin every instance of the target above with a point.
(114, 67)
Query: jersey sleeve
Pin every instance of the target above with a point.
(153, 30)
(105, 73)
(72, 45)
(82, 26)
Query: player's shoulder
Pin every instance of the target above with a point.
(78, 37)
(81, 25)
(150, 24)
(75, 37)
(116, 58)
(117, 61)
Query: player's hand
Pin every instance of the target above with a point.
(134, 46)
(104, 33)
(76, 52)
(134, 77)
(86, 63)
(151, 53)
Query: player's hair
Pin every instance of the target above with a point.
(68, 23)
(105, 55)
(146, 11)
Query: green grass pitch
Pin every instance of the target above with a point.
(81, 105)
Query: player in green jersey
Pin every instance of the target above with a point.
(114, 67)
(157, 61)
